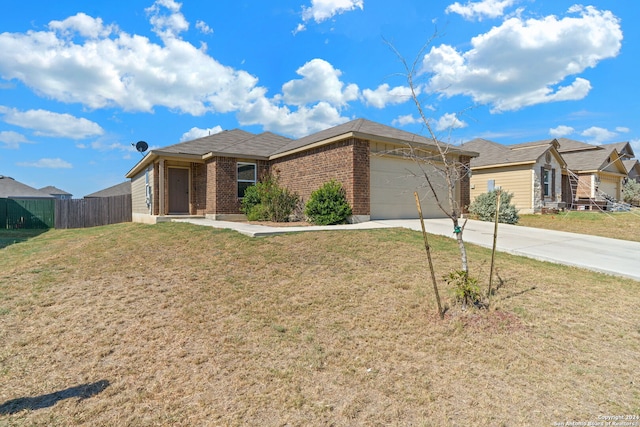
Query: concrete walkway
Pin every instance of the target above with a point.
(610, 256)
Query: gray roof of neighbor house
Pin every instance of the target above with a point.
(624, 149)
(588, 160)
(55, 191)
(632, 164)
(10, 188)
(121, 189)
(267, 145)
(494, 154)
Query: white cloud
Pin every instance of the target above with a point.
(561, 131)
(522, 63)
(383, 95)
(635, 145)
(623, 129)
(124, 70)
(303, 121)
(12, 139)
(301, 27)
(320, 82)
(82, 60)
(167, 25)
(48, 123)
(195, 133)
(203, 27)
(598, 135)
(406, 120)
(480, 9)
(321, 10)
(101, 145)
(448, 122)
(56, 163)
(84, 25)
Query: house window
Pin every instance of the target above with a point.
(246, 177)
(546, 182)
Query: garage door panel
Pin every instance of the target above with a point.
(393, 182)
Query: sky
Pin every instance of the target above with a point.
(82, 82)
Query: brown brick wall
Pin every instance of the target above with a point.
(345, 161)
(220, 182)
(198, 188)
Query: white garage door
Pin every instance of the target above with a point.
(393, 181)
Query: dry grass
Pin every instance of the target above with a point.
(175, 324)
(618, 225)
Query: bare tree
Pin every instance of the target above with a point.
(444, 160)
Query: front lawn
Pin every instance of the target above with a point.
(175, 324)
(617, 225)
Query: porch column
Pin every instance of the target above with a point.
(161, 188)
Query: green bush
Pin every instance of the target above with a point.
(631, 192)
(466, 290)
(251, 198)
(484, 207)
(268, 201)
(328, 205)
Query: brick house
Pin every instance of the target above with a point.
(207, 176)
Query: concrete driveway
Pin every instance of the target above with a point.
(611, 256)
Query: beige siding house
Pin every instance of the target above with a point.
(531, 172)
(595, 173)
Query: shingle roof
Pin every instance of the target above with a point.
(55, 191)
(234, 141)
(363, 128)
(239, 143)
(492, 153)
(10, 188)
(569, 145)
(623, 148)
(116, 190)
(632, 164)
(586, 160)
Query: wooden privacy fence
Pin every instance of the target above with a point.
(70, 213)
(82, 213)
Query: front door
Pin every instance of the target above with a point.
(178, 191)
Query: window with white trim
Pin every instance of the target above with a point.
(247, 176)
(546, 182)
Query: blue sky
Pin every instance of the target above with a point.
(81, 81)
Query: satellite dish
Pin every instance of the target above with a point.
(142, 146)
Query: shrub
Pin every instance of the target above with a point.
(268, 201)
(631, 192)
(251, 198)
(328, 205)
(484, 207)
(465, 288)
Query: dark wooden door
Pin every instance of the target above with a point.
(178, 191)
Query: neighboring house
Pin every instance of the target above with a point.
(595, 173)
(530, 171)
(121, 189)
(208, 176)
(633, 169)
(56, 192)
(12, 189)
